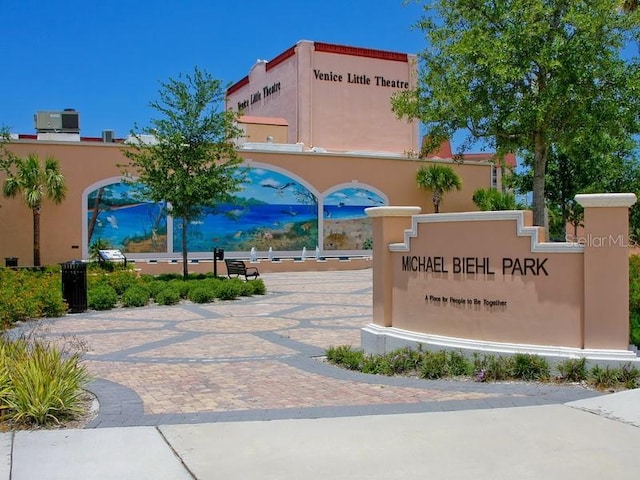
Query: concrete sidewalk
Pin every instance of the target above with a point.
(538, 442)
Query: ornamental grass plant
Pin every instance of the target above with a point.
(39, 383)
(433, 365)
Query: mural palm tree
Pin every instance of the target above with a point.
(37, 183)
(438, 179)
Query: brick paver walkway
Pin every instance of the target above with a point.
(259, 358)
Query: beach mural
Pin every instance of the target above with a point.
(118, 218)
(346, 226)
(272, 210)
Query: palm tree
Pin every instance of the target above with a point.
(439, 179)
(27, 176)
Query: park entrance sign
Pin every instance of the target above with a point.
(489, 281)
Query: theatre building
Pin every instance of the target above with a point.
(332, 97)
(321, 144)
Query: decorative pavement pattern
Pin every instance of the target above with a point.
(259, 358)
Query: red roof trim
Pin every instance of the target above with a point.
(238, 85)
(281, 58)
(360, 52)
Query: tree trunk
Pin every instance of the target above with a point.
(36, 236)
(539, 173)
(185, 266)
(436, 201)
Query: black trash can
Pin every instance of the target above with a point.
(74, 285)
(11, 262)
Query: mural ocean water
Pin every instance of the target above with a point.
(281, 227)
(116, 217)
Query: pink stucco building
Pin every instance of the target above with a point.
(332, 97)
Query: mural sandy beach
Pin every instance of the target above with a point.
(354, 234)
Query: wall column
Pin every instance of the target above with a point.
(389, 224)
(606, 269)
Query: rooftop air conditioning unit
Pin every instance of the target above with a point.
(108, 136)
(66, 121)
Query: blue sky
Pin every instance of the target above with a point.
(106, 59)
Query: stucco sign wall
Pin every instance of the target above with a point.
(489, 280)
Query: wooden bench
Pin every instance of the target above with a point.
(238, 267)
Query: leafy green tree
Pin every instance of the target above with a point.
(523, 75)
(192, 162)
(438, 179)
(578, 169)
(36, 182)
(6, 157)
(491, 199)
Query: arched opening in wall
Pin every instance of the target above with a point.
(274, 209)
(117, 215)
(346, 228)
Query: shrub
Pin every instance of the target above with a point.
(168, 296)
(120, 280)
(181, 286)
(25, 294)
(345, 356)
(490, 368)
(573, 370)
(154, 287)
(528, 367)
(15, 305)
(629, 376)
(258, 286)
(603, 378)
(102, 297)
(51, 303)
(434, 365)
(41, 385)
(199, 276)
(374, 364)
(201, 295)
(245, 289)
(444, 364)
(135, 296)
(458, 364)
(165, 277)
(404, 360)
(229, 289)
